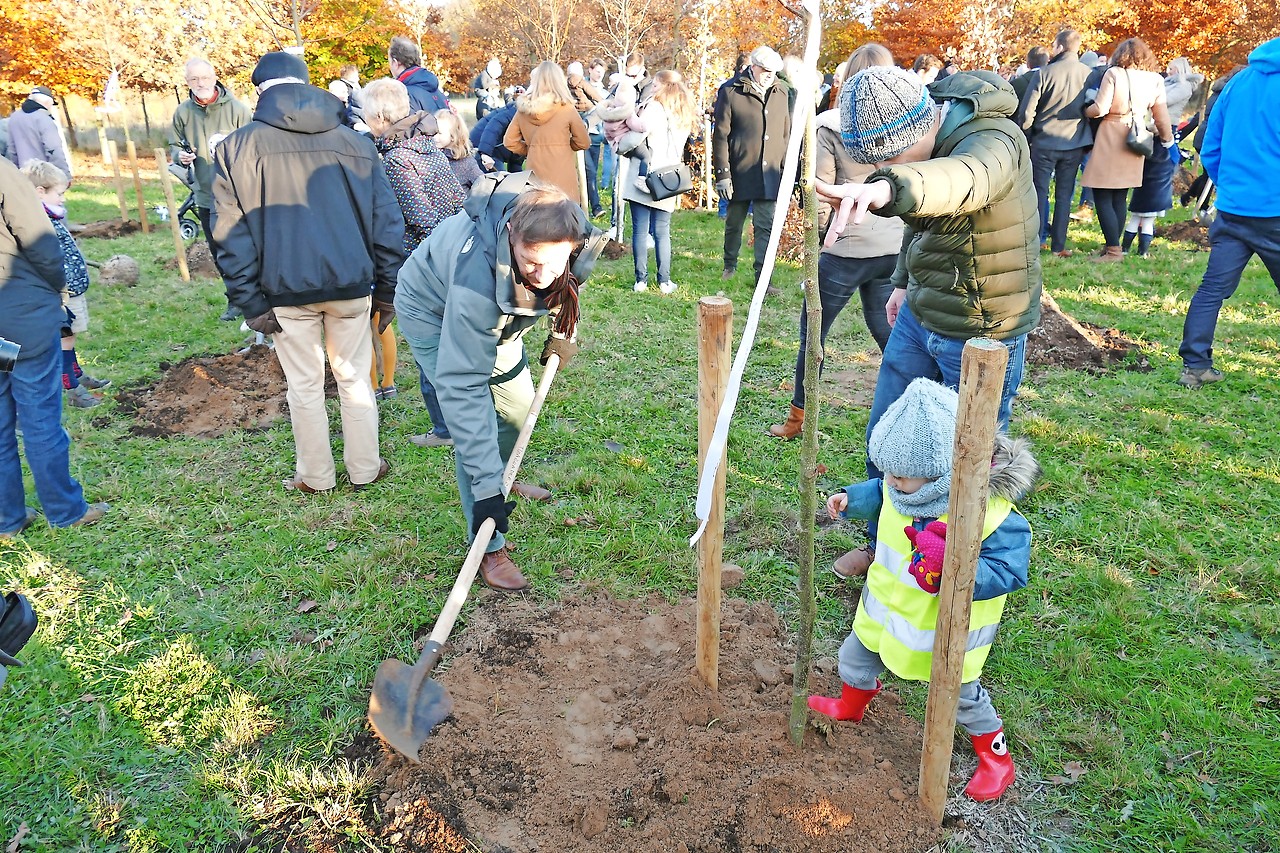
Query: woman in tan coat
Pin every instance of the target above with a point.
(547, 130)
(1131, 84)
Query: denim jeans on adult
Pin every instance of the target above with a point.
(608, 162)
(32, 395)
(592, 158)
(838, 280)
(1060, 167)
(647, 220)
(761, 211)
(1233, 240)
(914, 351)
(438, 426)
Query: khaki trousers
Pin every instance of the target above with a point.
(307, 333)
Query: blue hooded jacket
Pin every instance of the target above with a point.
(1246, 119)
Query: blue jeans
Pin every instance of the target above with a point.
(592, 158)
(608, 162)
(838, 280)
(438, 426)
(1060, 167)
(1233, 240)
(913, 351)
(647, 220)
(32, 394)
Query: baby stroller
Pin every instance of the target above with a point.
(188, 220)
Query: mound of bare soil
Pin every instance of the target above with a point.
(106, 229)
(1062, 341)
(209, 396)
(1186, 231)
(582, 726)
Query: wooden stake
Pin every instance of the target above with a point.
(982, 369)
(715, 356)
(115, 170)
(707, 183)
(180, 248)
(582, 179)
(132, 150)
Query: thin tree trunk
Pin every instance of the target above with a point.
(71, 131)
(146, 119)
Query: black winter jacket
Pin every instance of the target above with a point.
(750, 138)
(31, 275)
(303, 209)
(1052, 109)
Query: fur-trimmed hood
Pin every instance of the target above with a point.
(537, 109)
(1014, 470)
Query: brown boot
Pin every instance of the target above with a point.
(790, 428)
(854, 564)
(1110, 254)
(500, 573)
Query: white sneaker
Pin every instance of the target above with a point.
(640, 286)
(667, 287)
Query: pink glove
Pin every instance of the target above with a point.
(928, 548)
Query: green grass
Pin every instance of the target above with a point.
(176, 698)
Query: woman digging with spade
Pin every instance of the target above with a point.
(465, 300)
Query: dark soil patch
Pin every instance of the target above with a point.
(614, 250)
(1186, 231)
(199, 261)
(615, 744)
(209, 396)
(1062, 341)
(106, 229)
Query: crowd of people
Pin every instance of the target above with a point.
(331, 213)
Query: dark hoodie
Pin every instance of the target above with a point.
(424, 90)
(304, 211)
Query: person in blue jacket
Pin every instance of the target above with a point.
(405, 60)
(1241, 154)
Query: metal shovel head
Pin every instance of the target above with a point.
(402, 715)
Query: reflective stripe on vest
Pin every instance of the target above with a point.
(896, 618)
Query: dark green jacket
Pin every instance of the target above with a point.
(197, 126)
(970, 258)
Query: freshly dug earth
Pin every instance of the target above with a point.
(1186, 231)
(582, 726)
(1062, 341)
(105, 229)
(209, 396)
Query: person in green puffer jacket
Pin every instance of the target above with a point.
(957, 170)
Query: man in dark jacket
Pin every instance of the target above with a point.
(208, 115)
(1052, 113)
(424, 87)
(31, 317)
(307, 225)
(33, 132)
(749, 143)
(487, 136)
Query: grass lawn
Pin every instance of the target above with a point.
(181, 695)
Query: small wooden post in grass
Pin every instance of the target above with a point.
(119, 181)
(982, 368)
(180, 248)
(715, 356)
(137, 186)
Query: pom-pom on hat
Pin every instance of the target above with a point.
(277, 65)
(883, 112)
(915, 436)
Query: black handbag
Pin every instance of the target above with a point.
(669, 181)
(1139, 139)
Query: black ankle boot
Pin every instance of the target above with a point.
(1128, 240)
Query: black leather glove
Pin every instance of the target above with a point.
(496, 507)
(386, 312)
(562, 347)
(265, 324)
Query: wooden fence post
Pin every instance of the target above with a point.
(180, 248)
(137, 186)
(982, 369)
(119, 182)
(715, 357)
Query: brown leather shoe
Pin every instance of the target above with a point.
(30, 519)
(791, 427)
(300, 486)
(854, 564)
(384, 467)
(500, 573)
(530, 492)
(1109, 254)
(93, 515)
(1065, 253)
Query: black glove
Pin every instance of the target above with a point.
(386, 312)
(265, 324)
(496, 507)
(562, 347)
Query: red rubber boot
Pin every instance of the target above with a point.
(850, 706)
(995, 767)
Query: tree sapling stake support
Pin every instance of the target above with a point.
(715, 355)
(119, 181)
(707, 181)
(132, 151)
(180, 248)
(582, 180)
(982, 369)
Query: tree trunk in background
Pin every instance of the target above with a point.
(146, 119)
(71, 131)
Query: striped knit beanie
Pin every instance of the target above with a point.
(883, 112)
(915, 437)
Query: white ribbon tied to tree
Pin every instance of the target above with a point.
(806, 98)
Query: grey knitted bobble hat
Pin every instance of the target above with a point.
(883, 112)
(915, 436)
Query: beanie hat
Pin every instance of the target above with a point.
(915, 436)
(278, 64)
(883, 112)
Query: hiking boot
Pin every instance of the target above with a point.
(92, 515)
(1194, 377)
(82, 398)
(854, 564)
(94, 384)
(497, 571)
(430, 439)
(230, 314)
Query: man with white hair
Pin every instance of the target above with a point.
(308, 228)
(33, 132)
(204, 119)
(752, 124)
